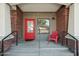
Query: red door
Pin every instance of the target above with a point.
(29, 29)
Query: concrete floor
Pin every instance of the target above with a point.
(38, 48)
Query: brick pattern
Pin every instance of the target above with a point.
(62, 22)
(19, 22)
(62, 38)
(16, 21)
(7, 43)
(70, 43)
(62, 19)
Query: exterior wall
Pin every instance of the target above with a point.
(62, 19)
(62, 23)
(73, 27)
(36, 15)
(5, 24)
(5, 19)
(20, 22)
(2, 20)
(13, 20)
(76, 19)
(71, 20)
(17, 21)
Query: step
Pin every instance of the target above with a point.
(22, 54)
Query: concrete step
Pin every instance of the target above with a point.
(22, 54)
(36, 49)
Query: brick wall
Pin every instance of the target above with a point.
(17, 21)
(7, 43)
(13, 20)
(20, 22)
(62, 19)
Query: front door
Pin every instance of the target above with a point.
(43, 29)
(29, 29)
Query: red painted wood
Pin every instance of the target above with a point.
(29, 35)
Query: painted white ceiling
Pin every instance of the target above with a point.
(39, 7)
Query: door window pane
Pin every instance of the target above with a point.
(30, 26)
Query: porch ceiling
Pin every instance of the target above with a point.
(39, 7)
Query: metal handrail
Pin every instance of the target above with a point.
(76, 44)
(2, 46)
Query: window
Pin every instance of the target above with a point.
(43, 25)
(30, 26)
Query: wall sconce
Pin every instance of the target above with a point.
(53, 18)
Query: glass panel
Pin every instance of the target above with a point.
(30, 26)
(43, 25)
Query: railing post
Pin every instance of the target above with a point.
(2, 48)
(16, 38)
(76, 48)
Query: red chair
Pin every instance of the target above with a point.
(53, 36)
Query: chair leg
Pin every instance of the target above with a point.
(56, 41)
(48, 40)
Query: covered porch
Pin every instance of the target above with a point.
(60, 18)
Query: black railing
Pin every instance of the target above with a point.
(76, 45)
(2, 46)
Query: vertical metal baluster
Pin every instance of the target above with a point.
(2, 49)
(16, 38)
(76, 48)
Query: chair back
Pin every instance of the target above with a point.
(54, 34)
